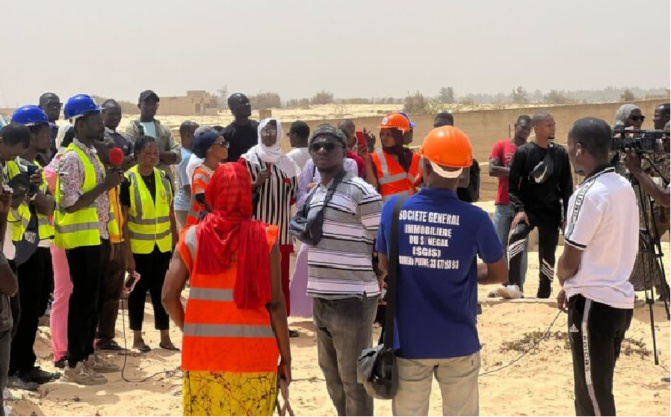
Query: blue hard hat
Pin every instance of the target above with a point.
(80, 105)
(29, 116)
(407, 117)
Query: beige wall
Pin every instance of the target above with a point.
(486, 127)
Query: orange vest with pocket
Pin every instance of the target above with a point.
(218, 336)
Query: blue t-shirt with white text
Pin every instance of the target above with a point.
(439, 239)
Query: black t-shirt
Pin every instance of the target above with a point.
(149, 182)
(241, 138)
(548, 197)
(471, 194)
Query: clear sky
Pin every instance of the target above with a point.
(353, 48)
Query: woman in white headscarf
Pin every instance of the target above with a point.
(274, 183)
(628, 116)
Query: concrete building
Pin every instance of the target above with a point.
(196, 102)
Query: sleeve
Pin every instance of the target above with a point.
(351, 167)
(381, 241)
(71, 177)
(173, 146)
(514, 178)
(370, 209)
(496, 153)
(131, 132)
(303, 181)
(124, 194)
(198, 183)
(566, 183)
(583, 221)
(181, 170)
(489, 245)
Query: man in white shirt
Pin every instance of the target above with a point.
(298, 137)
(601, 239)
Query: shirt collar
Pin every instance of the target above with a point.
(603, 169)
(438, 192)
(89, 150)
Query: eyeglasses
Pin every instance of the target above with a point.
(637, 118)
(225, 144)
(327, 146)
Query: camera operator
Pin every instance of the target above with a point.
(601, 239)
(633, 163)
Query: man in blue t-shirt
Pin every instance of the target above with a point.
(439, 239)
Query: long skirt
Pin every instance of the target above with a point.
(229, 393)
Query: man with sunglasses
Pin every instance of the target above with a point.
(341, 280)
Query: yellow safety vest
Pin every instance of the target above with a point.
(149, 220)
(78, 229)
(113, 227)
(18, 218)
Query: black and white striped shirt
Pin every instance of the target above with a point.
(340, 266)
(272, 200)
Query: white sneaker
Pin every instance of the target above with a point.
(495, 293)
(97, 364)
(511, 292)
(8, 410)
(83, 375)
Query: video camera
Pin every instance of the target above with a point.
(639, 141)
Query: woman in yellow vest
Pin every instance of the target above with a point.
(394, 169)
(235, 325)
(150, 234)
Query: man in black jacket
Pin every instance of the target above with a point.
(539, 186)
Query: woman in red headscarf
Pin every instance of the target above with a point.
(235, 325)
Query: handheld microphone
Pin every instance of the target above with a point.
(116, 157)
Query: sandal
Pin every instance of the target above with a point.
(170, 347)
(108, 345)
(143, 349)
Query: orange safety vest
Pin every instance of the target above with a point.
(201, 178)
(392, 178)
(218, 336)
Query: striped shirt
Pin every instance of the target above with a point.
(273, 199)
(340, 266)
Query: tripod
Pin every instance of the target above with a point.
(652, 256)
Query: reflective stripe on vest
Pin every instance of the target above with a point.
(213, 324)
(391, 177)
(78, 229)
(193, 217)
(149, 218)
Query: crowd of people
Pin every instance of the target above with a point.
(90, 213)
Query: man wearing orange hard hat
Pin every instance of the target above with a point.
(394, 169)
(438, 241)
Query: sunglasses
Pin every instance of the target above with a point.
(225, 144)
(327, 146)
(637, 118)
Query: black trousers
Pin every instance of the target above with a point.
(596, 332)
(86, 272)
(110, 293)
(34, 276)
(152, 269)
(548, 237)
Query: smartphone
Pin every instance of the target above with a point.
(131, 281)
(360, 139)
(32, 169)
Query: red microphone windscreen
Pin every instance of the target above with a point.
(116, 157)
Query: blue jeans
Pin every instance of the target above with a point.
(503, 217)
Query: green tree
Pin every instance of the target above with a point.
(520, 95)
(446, 95)
(627, 95)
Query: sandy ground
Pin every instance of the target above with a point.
(541, 383)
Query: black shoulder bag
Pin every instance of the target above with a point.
(376, 367)
(308, 229)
